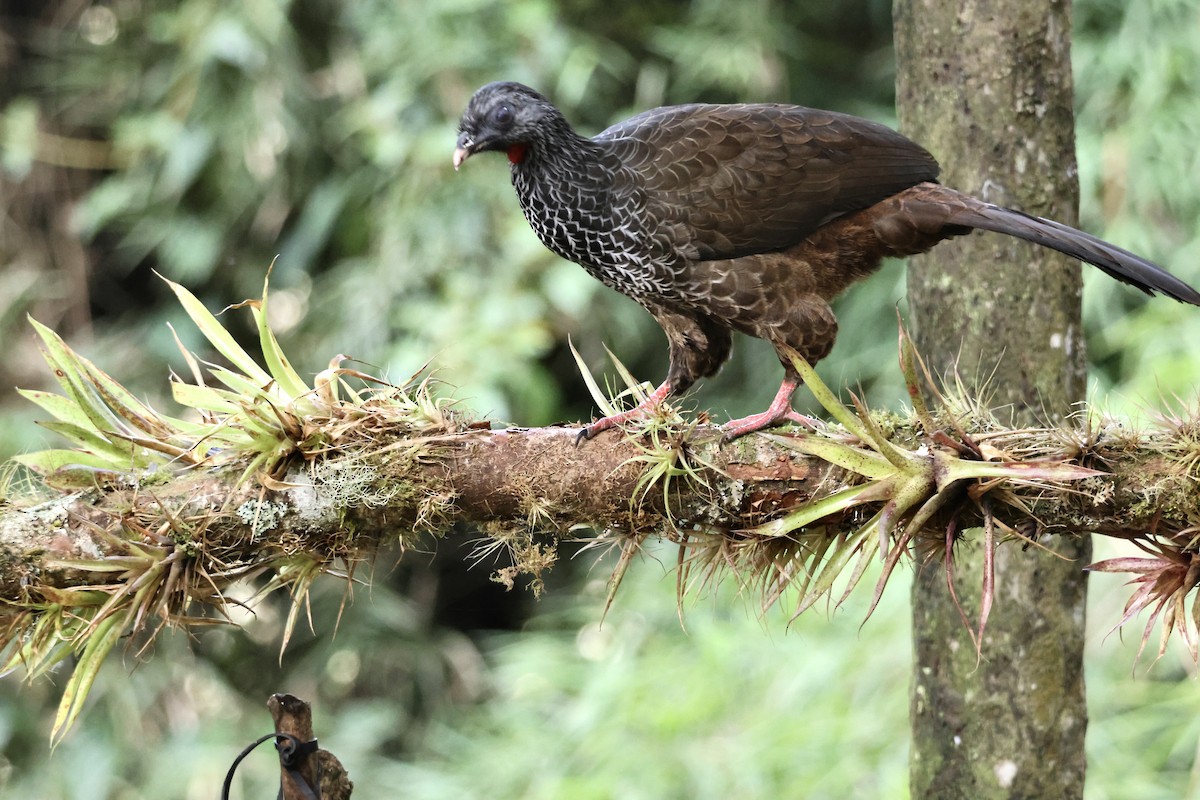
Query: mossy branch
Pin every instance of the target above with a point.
(149, 519)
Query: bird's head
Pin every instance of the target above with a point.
(506, 117)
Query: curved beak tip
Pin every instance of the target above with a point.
(460, 155)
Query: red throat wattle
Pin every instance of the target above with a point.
(516, 153)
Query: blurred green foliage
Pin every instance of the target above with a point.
(204, 139)
(1137, 72)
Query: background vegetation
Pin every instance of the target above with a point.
(201, 139)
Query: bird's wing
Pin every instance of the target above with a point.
(743, 179)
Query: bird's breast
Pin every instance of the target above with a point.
(601, 224)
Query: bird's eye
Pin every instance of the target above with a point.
(503, 116)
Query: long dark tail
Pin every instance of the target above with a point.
(969, 212)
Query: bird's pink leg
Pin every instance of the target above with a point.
(640, 410)
(779, 412)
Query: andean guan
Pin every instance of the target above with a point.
(743, 217)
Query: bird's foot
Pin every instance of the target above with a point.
(767, 419)
(779, 412)
(647, 406)
(604, 423)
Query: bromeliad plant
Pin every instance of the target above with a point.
(268, 414)
(265, 418)
(908, 487)
(897, 491)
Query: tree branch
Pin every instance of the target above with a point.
(150, 519)
(530, 488)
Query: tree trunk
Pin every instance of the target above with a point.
(987, 87)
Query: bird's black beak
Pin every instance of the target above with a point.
(463, 150)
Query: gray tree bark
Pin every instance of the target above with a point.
(986, 86)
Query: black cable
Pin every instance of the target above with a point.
(291, 750)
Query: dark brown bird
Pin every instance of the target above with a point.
(744, 217)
